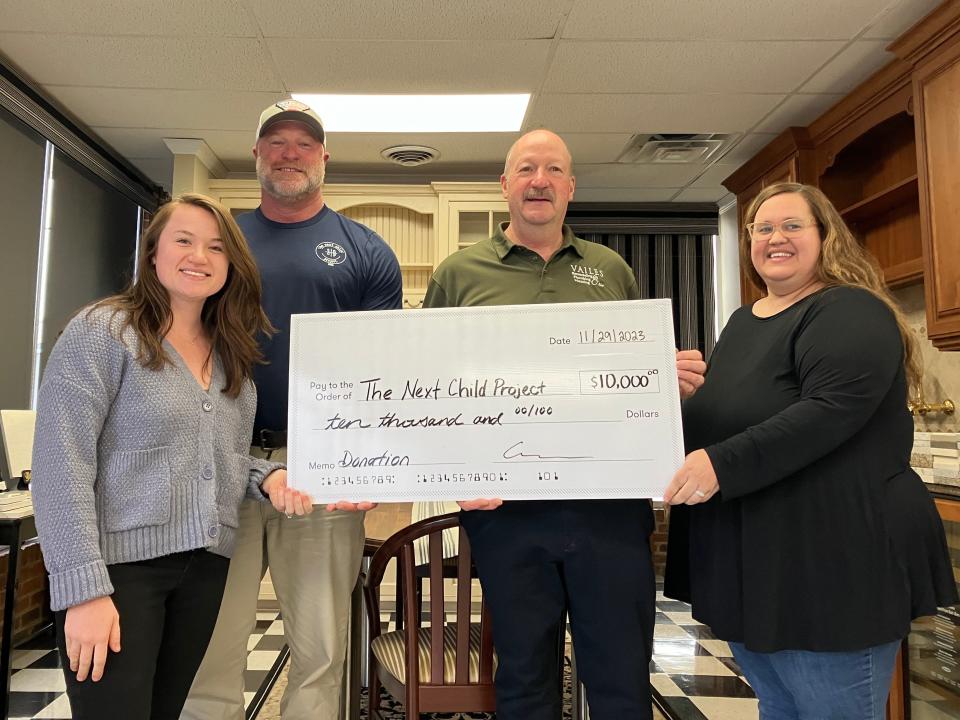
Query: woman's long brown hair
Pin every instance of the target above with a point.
(843, 261)
(232, 318)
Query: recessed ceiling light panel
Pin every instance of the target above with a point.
(419, 113)
(666, 148)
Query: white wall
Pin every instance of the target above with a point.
(728, 262)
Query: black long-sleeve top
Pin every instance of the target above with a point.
(821, 537)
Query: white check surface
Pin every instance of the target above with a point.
(574, 400)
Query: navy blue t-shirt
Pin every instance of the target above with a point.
(328, 263)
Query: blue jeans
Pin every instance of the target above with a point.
(804, 685)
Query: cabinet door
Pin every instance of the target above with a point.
(410, 235)
(936, 84)
(472, 221)
(784, 172)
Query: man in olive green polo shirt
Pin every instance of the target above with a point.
(538, 560)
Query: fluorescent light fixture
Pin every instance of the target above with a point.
(419, 113)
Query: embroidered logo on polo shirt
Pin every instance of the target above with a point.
(331, 253)
(586, 275)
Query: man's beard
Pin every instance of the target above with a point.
(297, 187)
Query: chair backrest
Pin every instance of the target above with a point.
(431, 508)
(16, 437)
(401, 546)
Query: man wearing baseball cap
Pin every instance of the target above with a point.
(311, 259)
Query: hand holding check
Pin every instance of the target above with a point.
(690, 370)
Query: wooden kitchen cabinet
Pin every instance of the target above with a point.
(872, 181)
(862, 154)
(936, 88)
(887, 157)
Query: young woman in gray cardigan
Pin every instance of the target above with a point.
(141, 461)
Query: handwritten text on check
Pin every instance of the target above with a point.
(571, 400)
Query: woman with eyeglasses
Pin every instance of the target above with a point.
(798, 532)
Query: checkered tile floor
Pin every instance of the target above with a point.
(693, 674)
(37, 687)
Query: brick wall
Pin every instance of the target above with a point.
(32, 611)
(658, 541)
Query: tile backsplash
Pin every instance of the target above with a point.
(941, 370)
(936, 457)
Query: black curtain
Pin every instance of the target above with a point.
(678, 266)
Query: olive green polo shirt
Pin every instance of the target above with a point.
(498, 272)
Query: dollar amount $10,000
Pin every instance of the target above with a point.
(620, 381)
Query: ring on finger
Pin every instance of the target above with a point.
(700, 493)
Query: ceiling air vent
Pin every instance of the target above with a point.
(673, 148)
(410, 155)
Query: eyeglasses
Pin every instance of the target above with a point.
(788, 228)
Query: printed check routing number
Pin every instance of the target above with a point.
(522, 402)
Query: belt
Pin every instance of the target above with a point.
(268, 440)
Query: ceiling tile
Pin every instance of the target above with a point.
(453, 147)
(711, 20)
(404, 67)
(624, 194)
(632, 113)
(713, 176)
(743, 151)
(137, 72)
(405, 20)
(852, 66)
(148, 142)
(214, 110)
(899, 17)
(636, 175)
(592, 148)
(746, 148)
(210, 18)
(797, 110)
(690, 67)
(233, 147)
(142, 62)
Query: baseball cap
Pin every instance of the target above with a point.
(291, 111)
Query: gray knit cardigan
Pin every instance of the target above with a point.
(130, 463)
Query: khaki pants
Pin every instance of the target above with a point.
(314, 562)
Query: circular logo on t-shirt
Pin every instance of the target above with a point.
(331, 253)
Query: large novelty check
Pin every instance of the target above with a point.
(573, 400)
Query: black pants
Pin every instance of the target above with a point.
(539, 560)
(168, 607)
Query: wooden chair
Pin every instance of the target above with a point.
(421, 550)
(443, 667)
